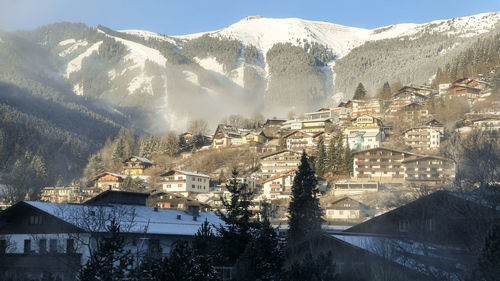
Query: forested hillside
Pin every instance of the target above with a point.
(47, 132)
(406, 60)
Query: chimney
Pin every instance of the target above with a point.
(156, 209)
(195, 218)
(178, 217)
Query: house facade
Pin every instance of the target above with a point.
(108, 181)
(184, 182)
(346, 209)
(394, 166)
(278, 162)
(279, 186)
(424, 137)
(136, 165)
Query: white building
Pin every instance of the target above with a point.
(424, 137)
(185, 183)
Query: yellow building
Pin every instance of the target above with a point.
(136, 165)
(254, 136)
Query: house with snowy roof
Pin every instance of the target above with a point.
(57, 238)
(438, 235)
(136, 165)
(226, 136)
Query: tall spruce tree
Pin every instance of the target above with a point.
(305, 214)
(320, 159)
(386, 92)
(236, 231)
(360, 92)
(335, 153)
(348, 160)
(265, 256)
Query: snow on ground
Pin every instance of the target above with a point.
(67, 42)
(148, 35)
(210, 63)
(76, 64)
(191, 77)
(78, 89)
(237, 76)
(74, 45)
(141, 82)
(138, 54)
(265, 32)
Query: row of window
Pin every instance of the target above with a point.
(42, 246)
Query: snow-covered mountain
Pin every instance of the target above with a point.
(257, 64)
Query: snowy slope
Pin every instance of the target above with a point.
(265, 32)
(76, 63)
(148, 35)
(137, 55)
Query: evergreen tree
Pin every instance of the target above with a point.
(235, 233)
(133, 184)
(489, 260)
(111, 261)
(266, 258)
(386, 92)
(305, 213)
(335, 153)
(320, 159)
(348, 160)
(360, 92)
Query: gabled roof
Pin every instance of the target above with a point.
(280, 175)
(421, 157)
(278, 152)
(382, 148)
(142, 159)
(346, 199)
(296, 132)
(228, 131)
(132, 219)
(109, 173)
(171, 172)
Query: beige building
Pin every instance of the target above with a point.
(346, 209)
(278, 162)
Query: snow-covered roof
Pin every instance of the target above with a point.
(408, 253)
(132, 219)
(186, 173)
(142, 159)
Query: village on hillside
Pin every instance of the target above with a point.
(382, 174)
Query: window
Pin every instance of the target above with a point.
(35, 220)
(27, 246)
(404, 225)
(42, 246)
(53, 245)
(179, 185)
(192, 186)
(3, 246)
(154, 246)
(70, 246)
(429, 225)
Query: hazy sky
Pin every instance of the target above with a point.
(189, 16)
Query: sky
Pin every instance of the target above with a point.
(190, 16)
